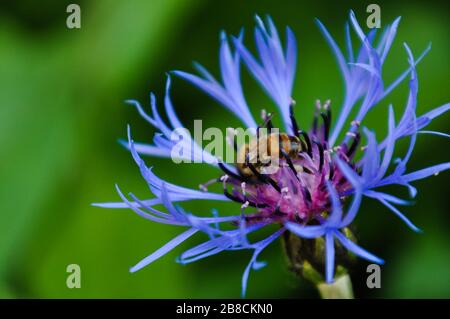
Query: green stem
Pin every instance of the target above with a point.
(340, 289)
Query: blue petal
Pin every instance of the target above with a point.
(155, 183)
(390, 145)
(148, 208)
(426, 172)
(389, 39)
(204, 72)
(160, 123)
(434, 133)
(329, 257)
(433, 114)
(402, 76)
(221, 240)
(336, 213)
(214, 90)
(371, 160)
(306, 231)
(260, 246)
(247, 273)
(164, 249)
(146, 202)
(146, 149)
(348, 42)
(357, 250)
(387, 197)
(142, 112)
(335, 48)
(203, 250)
(396, 212)
(173, 118)
(146, 215)
(409, 115)
(253, 66)
(353, 210)
(369, 68)
(218, 219)
(349, 173)
(170, 207)
(291, 57)
(230, 95)
(276, 71)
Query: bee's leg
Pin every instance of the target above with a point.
(264, 178)
(231, 174)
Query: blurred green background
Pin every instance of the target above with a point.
(62, 111)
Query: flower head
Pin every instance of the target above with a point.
(322, 174)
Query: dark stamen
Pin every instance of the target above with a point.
(294, 189)
(329, 121)
(354, 145)
(326, 124)
(329, 114)
(331, 173)
(293, 120)
(267, 123)
(306, 195)
(302, 142)
(235, 146)
(278, 212)
(314, 126)
(307, 140)
(307, 170)
(320, 155)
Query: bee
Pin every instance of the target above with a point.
(265, 151)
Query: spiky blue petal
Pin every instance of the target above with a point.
(275, 71)
(230, 94)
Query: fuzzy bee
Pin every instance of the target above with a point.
(265, 151)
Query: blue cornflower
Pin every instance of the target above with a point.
(306, 195)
